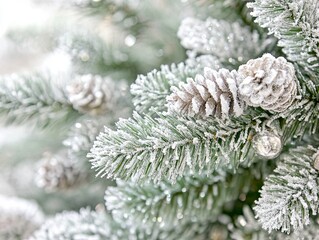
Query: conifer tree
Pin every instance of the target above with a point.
(197, 125)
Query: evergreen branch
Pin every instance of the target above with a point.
(89, 224)
(90, 54)
(86, 224)
(34, 98)
(150, 91)
(168, 146)
(186, 231)
(247, 227)
(130, 19)
(230, 10)
(103, 7)
(197, 198)
(290, 196)
(294, 23)
(300, 119)
(239, 43)
(311, 232)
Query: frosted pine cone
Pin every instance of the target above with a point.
(214, 94)
(82, 135)
(58, 172)
(91, 94)
(19, 218)
(268, 82)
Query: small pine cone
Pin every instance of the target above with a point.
(58, 172)
(214, 94)
(91, 94)
(82, 135)
(268, 82)
(19, 218)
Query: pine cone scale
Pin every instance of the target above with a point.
(216, 95)
(268, 82)
(91, 94)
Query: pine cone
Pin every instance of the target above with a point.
(58, 172)
(268, 82)
(91, 94)
(214, 94)
(19, 218)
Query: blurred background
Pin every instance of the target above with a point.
(115, 38)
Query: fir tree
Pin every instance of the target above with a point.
(217, 137)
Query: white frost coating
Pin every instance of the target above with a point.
(19, 218)
(92, 94)
(290, 196)
(85, 225)
(213, 94)
(295, 24)
(58, 172)
(126, 152)
(268, 82)
(150, 90)
(227, 41)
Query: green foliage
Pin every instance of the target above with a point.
(90, 54)
(197, 198)
(294, 23)
(290, 196)
(86, 224)
(81, 137)
(35, 98)
(231, 10)
(239, 43)
(145, 148)
(150, 91)
(125, 14)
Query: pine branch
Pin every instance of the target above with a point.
(150, 91)
(167, 146)
(197, 198)
(186, 231)
(290, 196)
(239, 43)
(145, 148)
(247, 227)
(89, 224)
(230, 10)
(90, 54)
(129, 20)
(34, 98)
(294, 23)
(300, 119)
(103, 7)
(19, 218)
(311, 232)
(72, 225)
